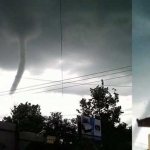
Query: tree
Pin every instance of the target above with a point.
(65, 130)
(103, 105)
(27, 117)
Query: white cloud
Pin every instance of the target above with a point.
(49, 102)
(126, 103)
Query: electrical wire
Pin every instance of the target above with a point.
(66, 82)
(70, 86)
(82, 84)
(65, 79)
(74, 77)
(108, 85)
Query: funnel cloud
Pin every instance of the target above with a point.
(20, 22)
(88, 31)
(21, 66)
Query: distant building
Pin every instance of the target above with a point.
(11, 139)
(143, 122)
(7, 136)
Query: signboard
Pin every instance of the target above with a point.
(89, 127)
(51, 139)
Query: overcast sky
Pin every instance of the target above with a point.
(96, 37)
(141, 74)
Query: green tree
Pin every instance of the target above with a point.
(65, 130)
(27, 117)
(103, 105)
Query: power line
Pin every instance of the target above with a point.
(73, 77)
(64, 87)
(109, 85)
(67, 78)
(71, 86)
(35, 79)
(82, 84)
(80, 80)
(67, 82)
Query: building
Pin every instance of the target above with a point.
(11, 139)
(145, 123)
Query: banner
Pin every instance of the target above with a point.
(89, 127)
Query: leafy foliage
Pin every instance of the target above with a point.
(27, 117)
(63, 129)
(102, 105)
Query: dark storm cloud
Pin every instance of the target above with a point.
(98, 32)
(30, 20)
(141, 53)
(22, 21)
(96, 36)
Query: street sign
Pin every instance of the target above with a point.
(89, 127)
(51, 139)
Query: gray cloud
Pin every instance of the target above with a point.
(88, 32)
(96, 35)
(82, 87)
(141, 52)
(140, 61)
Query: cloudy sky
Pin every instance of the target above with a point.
(141, 74)
(96, 37)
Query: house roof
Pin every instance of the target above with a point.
(143, 122)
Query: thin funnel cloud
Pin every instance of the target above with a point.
(85, 27)
(20, 22)
(21, 66)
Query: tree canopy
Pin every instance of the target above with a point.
(27, 117)
(102, 105)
